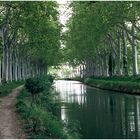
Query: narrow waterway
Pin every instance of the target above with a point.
(101, 113)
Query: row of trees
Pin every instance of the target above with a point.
(30, 39)
(103, 38)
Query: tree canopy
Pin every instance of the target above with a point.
(104, 36)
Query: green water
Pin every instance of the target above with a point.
(101, 114)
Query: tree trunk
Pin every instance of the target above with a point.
(0, 70)
(134, 53)
(4, 31)
(119, 55)
(10, 65)
(19, 68)
(5, 65)
(125, 70)
(15, 65)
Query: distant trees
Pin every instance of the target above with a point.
(104, 37)
(30, 39)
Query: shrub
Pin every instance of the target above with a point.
(37, 85)
(34, 85)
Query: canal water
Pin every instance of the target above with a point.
(100, 113)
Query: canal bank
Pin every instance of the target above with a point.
(129, 85)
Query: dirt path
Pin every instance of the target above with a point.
(10, 127)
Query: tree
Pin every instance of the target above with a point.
(103, 32)
(30, 38)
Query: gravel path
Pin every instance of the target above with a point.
(10, 127)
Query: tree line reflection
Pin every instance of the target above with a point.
(102, 114)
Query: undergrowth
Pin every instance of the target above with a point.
(7, 88)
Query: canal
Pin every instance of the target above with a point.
(100, 113)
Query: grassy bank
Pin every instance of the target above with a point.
(39, 115)
(7, 88)
(129, 84)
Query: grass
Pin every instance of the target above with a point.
(7, 88)
(119, 78)
(129, 84)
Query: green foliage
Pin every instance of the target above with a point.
(33, 31)
(38, 85)
(43, 124)
(118, 78)
(34, 85)
(39, 123)
(72, 129)
(95, 31)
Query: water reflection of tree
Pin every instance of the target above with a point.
(103, 115)
(111, 115)
(136, 117)
(131, 117)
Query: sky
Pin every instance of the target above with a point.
(64, 11)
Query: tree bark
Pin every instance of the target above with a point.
(0, 70)
(10, 65)
(119, 55)
(134, 53)
(125, 69)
